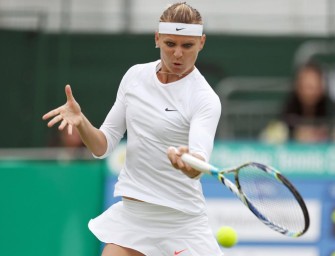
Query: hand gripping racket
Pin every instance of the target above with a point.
(265, 191)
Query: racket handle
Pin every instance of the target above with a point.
(198, 164)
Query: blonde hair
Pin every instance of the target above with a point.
(181, 13)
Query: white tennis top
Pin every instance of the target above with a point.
(157, 116)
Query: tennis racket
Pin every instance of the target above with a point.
(265, 191)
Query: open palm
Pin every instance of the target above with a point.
(69, 114)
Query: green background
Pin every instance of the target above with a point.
(45, 207)
(35, 67)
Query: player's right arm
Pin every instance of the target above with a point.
(70, 115)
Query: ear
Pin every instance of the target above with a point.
(202, 42)
(157, 39)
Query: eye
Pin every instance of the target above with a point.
(187, 46)
(170, 44)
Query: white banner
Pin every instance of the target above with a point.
(273, 251)
(231, 212)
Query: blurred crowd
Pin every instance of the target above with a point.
(308, 112)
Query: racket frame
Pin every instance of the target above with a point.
(236, 189)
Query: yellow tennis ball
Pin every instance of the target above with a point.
(332, 216)
(226, 236)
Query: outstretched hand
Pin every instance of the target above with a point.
(69, 114)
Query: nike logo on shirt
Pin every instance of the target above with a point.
(178, 29)
(167, 109)
(178, 252)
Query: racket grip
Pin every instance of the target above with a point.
(198, 164)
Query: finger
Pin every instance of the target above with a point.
(68, 92)
(69, 129)
(171, 152)
(180, 163)
(55, 120)
(51, 113)
(183, 150)
(175, 157)
(62, 125)
(187, 167)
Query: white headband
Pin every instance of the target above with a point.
(182, 29)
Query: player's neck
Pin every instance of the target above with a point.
(169, 77)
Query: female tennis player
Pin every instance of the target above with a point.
(163, 104)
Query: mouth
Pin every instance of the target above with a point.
(177, 65)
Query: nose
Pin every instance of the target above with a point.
(178, 52)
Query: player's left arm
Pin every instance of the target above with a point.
(203, 126)
(201, 136)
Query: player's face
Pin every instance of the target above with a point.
(179, 53)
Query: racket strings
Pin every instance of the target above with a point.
(272, 199)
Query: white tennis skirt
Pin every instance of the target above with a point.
(155, 230)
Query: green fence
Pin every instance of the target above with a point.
(45, 207)
(36, 66)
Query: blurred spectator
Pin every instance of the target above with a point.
(63, 139)
(308, 113)
(70, 147)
